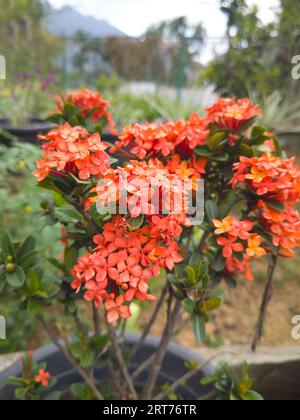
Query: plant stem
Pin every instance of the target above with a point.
(264, 304)
(189, 375)
(73, 362)
(152, 320)
(143, 367)
(121, 362)
(203, 241)
(172, 318)
(96, 320)
(79, 324)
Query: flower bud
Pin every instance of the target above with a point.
(10, 267)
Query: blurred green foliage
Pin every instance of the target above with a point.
(258, 56)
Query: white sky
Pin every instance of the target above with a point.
(134, 16)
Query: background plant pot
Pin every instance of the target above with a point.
(27, 132)
(173, 369)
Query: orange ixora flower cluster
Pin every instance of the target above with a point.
(270, 177)
(72, 150)
(276, 182)
(144, 188)
(124, 261)
(165, 139)
(90, 104)
(232, 113)
(239, 244)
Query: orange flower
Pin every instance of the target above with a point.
(234, 227)
(224, 226)
(164, 139)
(74, 150)
(43, 378)
(123, 262)
(232, 113)
(144, 188)
(116, 309)
(269, 177)
(230, 246)
(254, 246)
(90, 104)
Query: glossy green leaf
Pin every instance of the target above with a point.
(199, 328)
(16, 278)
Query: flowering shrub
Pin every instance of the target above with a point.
(84, 107)
(126, 228)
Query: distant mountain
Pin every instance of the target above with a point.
(67, 21)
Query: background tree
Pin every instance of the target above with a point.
(24, 42)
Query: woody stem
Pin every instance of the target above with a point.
(172, 318)
(264, 304)
(151, 322)
(121, 362)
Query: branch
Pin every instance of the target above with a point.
(96, 320)
(264, 304)
(152, 320)
(73, 362)
(143, 366)
(172, 318)
(121, 362)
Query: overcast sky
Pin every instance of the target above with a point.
(134, 16)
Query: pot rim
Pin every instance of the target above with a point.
(34, 125)
(175, 349)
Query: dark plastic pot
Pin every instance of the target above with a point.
(27, 132)
(173, 368)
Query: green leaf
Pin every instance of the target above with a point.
(244, 386)
(33, 307)
(20, 393)
(246, 150)
(219, 262)
(33, 282)
(136, 223)
(79, 391)
(252, 396)
(69, 110)
(16, 278)
(7, 246)
(210, 304)
(191, 275)
(276, 205)
(258, 131)
(211, 210)
(199, 328)
(214, 141)
(54, 396)
(3, 278)
(277, 146)
(28, 260)
(203, 152)
(189, 305)
(27, 246)
(68, 214)
(71, 257)
(228, 203)
(221, 158)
